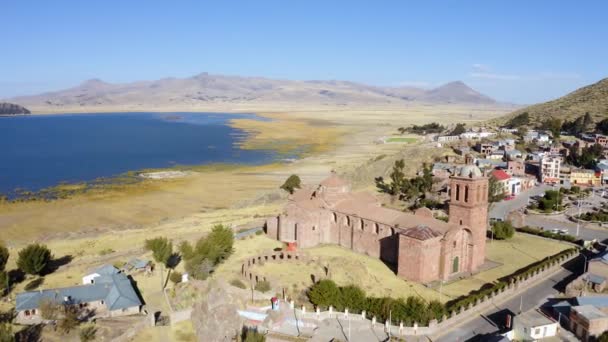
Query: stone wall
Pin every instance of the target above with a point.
(281, 256)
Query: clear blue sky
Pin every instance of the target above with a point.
(518, 51)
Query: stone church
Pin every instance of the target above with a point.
(420, 247)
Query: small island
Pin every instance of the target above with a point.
(12, 109)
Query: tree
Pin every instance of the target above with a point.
(459, 129)
(186, 249)
(6, 332)
(587, 121)
(249, 334)
(69, 321)
(603, 337)
(162, 250)
(503, 230)
(87, 333)
(324, 293)
(522, 119)
(402, 130)
(602, 126)
(291, 184)
(352, 298)
(48, 310)
(495, 190)
(34, 259)
(554, 125)
(210, 251)
(4, 282)
(4, 254)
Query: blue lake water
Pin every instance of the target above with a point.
(41, 151)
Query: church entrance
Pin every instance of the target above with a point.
(455, 266)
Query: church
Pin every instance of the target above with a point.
(418, 246)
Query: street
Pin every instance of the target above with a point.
(492, 320)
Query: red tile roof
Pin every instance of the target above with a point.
(500, 175)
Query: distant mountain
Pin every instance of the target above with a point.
(592, 98)
(206, 90)
(12, 109)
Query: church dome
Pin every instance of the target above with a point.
(470, 171)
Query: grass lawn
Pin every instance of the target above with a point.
(401, 140)
(513, 254)
(346, 267)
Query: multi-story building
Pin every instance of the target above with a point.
(549, 169)
(584, 177)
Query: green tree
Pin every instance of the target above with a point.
(602, 126)
(251, 335)
(459, 129)
(603, 337)
(210, 251)
(324, 293)
(522, 119)
(88, 333)
(554, 125)
(186, 249)
(6, 332)
(402, 130)
(291, 184)
(436, 309)
(587, 121)
(69, 321)
(34, 259)
(175, 277)
(352, 298)
(503, 230)
(48, 310)
(162, 250)
(4, 254)
(495, 190)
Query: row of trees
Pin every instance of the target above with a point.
(423, 129)
(201, 259)
(326, 293)
(588, 156)
(576, 126)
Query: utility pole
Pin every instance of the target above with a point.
(578, 218)
(390, 319)
(521, 303)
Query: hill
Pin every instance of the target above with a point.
(206, 90)
(12, 109)
(592, 99)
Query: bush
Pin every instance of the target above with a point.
(106, 251)
(209, 251)
(238, 283)
(251, 335)
(503, 230)
(324, 293)
(34, 259)
(4, 254)
(263, 286)
(291, 184)
(548, 234)
(87, 333)
(175, 277)
(6, 332)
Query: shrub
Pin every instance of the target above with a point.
(175, 277)
(503, 230)
(106, 251)
(259, 232)
(6, 332)
(324, 293)
(4, 254)
(34, 259)
(251, 335)
(238, 283)
(87, 333)
(263, 286)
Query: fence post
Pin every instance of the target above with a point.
(331, 310)
(346, 313)
(400, 328)
(373, 321)
(318, 313)
(363, 314)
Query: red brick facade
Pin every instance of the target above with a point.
(420, 247)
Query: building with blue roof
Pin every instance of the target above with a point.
(109, 293)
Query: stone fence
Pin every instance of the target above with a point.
(280, 256)
(436, 327)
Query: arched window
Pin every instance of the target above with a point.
(458, 192)
(362, 224)
(335, 217)
(392, 231)
(376, 228)
(295, 232)
(461, 222)
(466, 194)
(478, 193)
(348, 221)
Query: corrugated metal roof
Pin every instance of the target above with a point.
(598, 301)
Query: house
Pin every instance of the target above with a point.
(106, 292)
(513, 154)
(536, 156)
(448, 138)
(443, 170)
(589, 317)
(543, 138)
(137, 264)
(509, 130)
(514, 185)
(476, 135)
(601, 140)
(462, 150)
(532, 325)
(503, 179)
(491, 163)
(484, 149)
(496, 155)
(584, 177)
(550, 170)
(602, 169)
(516, 167)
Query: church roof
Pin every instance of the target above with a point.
(421, 233)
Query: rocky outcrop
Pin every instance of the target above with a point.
(12, 109)
(216, 318)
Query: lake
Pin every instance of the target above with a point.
(40, 151)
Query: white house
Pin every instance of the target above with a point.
(532, 325)
(104, 270)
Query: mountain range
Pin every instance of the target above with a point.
(207, 90)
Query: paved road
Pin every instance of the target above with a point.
(501, 209)
(493, 319)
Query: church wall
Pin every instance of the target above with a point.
(272, 225)
(365, 240)
(419, 260)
